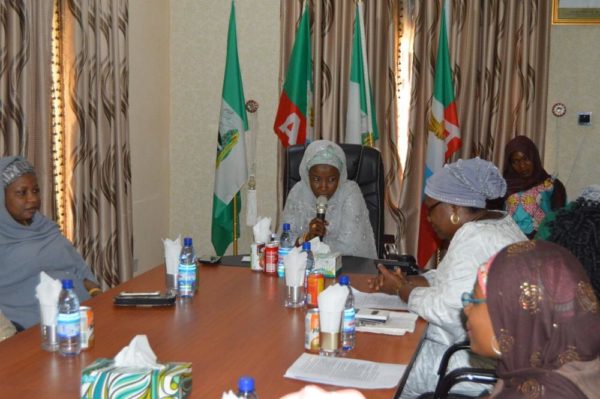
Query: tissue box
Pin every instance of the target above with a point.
(102, 379)
(329, 263)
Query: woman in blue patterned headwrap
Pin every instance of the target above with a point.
(31, 243)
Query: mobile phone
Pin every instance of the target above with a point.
(145, 299)
(406, 263)
(209, 259)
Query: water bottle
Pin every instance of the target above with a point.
(348, 322)
(310, 262)
(68, 321)
(187, 271)
(246, 388)
(285, 246)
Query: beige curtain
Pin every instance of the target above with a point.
(25, 81)
(331, 33)
(499, 53)
(98, 169)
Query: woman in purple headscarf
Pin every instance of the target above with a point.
(530, 191)
(533, 308)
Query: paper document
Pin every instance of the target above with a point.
(344, 372)
(378, 300)
(398, 323)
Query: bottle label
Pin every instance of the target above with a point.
(280, 265)
(348, 323)
(186, 278)
(68, 325)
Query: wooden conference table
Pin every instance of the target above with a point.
(235, 326)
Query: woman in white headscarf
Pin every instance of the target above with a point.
(346, 228)
(455, 197)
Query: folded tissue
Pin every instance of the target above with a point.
(295, 265)
(262, 230)
(47, 292)
(134, 372)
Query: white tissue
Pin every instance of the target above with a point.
(262, 230)
(295, 265)
(318, 247)
(47, 291)
(331, 305)
(229, 395)
(137, 354)
(172, 252)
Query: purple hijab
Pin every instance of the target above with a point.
(545, 315)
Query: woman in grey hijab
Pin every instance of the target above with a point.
(455, 197)
(346, 228)
(31, 243)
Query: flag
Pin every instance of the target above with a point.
(294, 119)
(443, 138)
(361, 124)
(231, 170)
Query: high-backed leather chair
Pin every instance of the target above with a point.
(365, 167)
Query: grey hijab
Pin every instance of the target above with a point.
(349, 231)
(25, 251)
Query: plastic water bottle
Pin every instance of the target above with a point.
(285, 246)
(187, 271)
(310, 262)
(348, 322)
(246, 388)
(68, 321)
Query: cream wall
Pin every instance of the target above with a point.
(572, 151)
(149, 118)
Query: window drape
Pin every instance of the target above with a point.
(97, 155)
(499, 51)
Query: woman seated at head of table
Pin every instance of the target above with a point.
(455, 197)
(531, 192)
(346, 228)
(577, 228)
(534, 310)
(31, 243)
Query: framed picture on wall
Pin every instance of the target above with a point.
(576, 12)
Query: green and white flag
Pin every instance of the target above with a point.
(361, 124)
(231, 170)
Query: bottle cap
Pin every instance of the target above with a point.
(67, 283)
(286, 227)
(306, 245)
(344, 280)
(187, 242)
(246, 384)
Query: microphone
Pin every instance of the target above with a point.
(321, 207)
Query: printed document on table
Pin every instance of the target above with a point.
(378, 300)
(398, 323)
(343, 372)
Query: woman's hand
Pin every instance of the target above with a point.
(317, 228)
(391, 282)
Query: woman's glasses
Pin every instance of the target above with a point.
(467, 299)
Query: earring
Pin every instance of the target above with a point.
(454, 218)
(495, 347)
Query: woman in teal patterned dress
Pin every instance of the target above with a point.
(531, 192)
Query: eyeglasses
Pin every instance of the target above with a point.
(430, 209)
(467, 299)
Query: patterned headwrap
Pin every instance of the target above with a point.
(326, 155)
(16, 169)
(591, 193)
(467, 182)
(545, 318)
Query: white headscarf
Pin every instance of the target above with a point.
(349, 231)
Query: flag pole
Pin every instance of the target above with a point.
(235, 226)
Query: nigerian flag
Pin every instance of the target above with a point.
(231, 172)
(361, 124)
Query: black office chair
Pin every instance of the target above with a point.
(456, 376)
(365, 167)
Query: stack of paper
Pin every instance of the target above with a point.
(377, 300)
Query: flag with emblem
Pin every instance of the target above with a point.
(294, 119)
(361, 124)
(231, 171)
(443, 138)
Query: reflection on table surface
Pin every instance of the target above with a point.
(236, 325)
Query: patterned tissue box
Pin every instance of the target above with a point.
(328, 263)
(102, 379)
